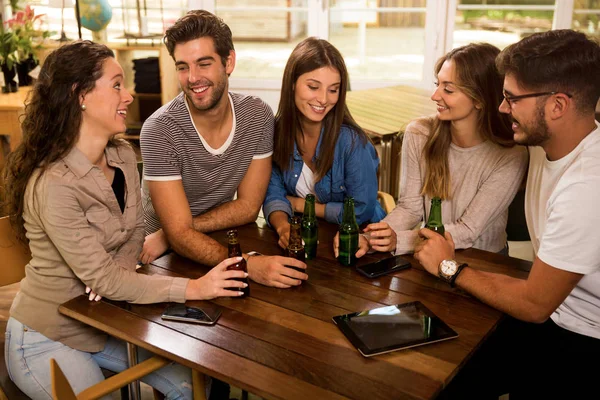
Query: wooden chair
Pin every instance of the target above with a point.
(387, 201)
(61, 389)
(15, 256)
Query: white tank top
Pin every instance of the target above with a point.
(306, 182)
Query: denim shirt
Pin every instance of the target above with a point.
(353, 173)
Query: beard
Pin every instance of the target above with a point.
(535, 133)
(218, 91)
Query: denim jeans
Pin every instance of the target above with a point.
(28, 354)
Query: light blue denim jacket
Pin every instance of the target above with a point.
(353, 173)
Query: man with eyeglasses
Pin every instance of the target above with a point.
(551, 88)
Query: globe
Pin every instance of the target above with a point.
(95, 14)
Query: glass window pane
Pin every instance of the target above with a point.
(264, 33)
(586, 17)
(500, 22)
(381, 40)
(153, 18)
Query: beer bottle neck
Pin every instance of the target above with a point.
(309, 209)
(435, 212)
(295, 234)
(349, 217)
(234, 250)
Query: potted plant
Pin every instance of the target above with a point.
(9, 57)
(27, 27)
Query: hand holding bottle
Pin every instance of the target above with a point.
(218, 282)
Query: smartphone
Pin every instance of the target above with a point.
(384, 266)
(180, 312)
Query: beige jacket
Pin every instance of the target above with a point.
(78, 237)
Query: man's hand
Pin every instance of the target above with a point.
(284, 235)
(217, 282)
(275, 271)
(363, 245)
(432, 251)
(155, 244)
(297, 203)
(381, 236)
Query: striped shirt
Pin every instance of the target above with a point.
(173, 149)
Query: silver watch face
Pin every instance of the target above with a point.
(448, 267)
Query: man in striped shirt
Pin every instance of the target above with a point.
(201, 148)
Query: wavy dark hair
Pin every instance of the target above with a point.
(52, 119)
(311, 54)
(478, 78)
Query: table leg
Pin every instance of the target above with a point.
(134, 387)
(385, 172)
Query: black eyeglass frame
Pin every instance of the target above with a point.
(526, 96)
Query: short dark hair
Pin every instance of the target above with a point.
(561, 60)
(197, 24)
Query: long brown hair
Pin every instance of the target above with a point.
(478, 78)
(52, 118)
(311, 54)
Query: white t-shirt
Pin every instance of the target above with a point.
(306, 182)
(563, 216)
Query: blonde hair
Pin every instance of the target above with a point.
(478, 78)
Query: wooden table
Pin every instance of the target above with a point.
(282, 343)
(384, 112)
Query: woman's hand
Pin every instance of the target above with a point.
(381, 236)
(93, 296)
(297, 203)
(155, 244)
(217, 282)
(284, 235)
(363, 245)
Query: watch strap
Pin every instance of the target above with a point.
(452, 279)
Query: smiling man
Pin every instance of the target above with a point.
(551, 88)
(201, 148)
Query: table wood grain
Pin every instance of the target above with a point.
(282, 343)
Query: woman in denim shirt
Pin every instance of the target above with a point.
(318, 147)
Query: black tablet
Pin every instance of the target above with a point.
(392, 328)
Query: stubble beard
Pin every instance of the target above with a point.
(538, 133)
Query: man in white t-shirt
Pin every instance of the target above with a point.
(551, 88)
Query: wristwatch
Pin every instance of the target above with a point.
(448, 270)
(252, 253)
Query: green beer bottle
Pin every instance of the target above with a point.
(348, 234)
(310, 228)
(435, 217)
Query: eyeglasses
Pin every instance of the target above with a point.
(509, 98)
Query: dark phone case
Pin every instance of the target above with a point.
(212, 312)
(401, 264)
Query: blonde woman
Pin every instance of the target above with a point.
(465, 155)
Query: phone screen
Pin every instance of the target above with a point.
(181, 312)
(384, 266)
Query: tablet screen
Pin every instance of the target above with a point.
(391, 328)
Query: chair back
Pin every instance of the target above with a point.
(14, 254)
(387, 201)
